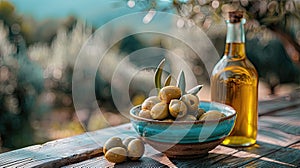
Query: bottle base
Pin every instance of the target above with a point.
(238, 141)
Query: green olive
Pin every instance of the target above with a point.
(168, 120)
(127, 140)
(177, 108)
(116, 155)
(167, 93)
(199, 113)
(191, 101)
(188, 118)
(212, 115)
(145, 114)
(159, 111)
(111, 143)
(150, 102)
(135, 149)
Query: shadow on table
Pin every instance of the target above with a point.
(143, 162)
(260, 155)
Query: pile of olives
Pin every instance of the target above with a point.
(171, 105)
(116, 151)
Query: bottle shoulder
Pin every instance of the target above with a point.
(231, 67)
(224, 63)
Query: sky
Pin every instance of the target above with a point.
(93, 11)
(96, 12)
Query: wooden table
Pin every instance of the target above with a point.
(278, 145)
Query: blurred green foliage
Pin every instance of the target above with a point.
(273, 32)
(21, 79)
(36, 67)
(21, 83)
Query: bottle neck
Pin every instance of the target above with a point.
(235, 40)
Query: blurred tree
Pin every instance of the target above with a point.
(273, 63)
(31, 30)
(7, 13)
(271, 24)
(21, 81)
(44, 31)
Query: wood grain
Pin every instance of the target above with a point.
(284, 157)
(278, 145)
(279, 104)
(64, 151)
(270, 143)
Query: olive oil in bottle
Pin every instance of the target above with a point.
(234, 82)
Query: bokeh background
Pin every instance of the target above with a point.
(40, 40)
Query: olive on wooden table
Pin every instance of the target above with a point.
(135, 149)
(111, 143)
(116, 155)
(127, 140)
(117, 151)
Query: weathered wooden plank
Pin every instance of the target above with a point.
(271, 138)
(64, 151)
(269, 141)
(219, 157)
(276, 133)
(150, 159)
(153, 158)
(284, 157)
(278, 122)
(10, 157)
(197, 162)
(213, 159)
(244, 157)
(278, 104)
(286, 121)
(283, 130)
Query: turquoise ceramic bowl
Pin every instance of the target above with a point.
(185, 133)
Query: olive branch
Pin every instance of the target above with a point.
(181, 82)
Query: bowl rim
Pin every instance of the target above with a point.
(186, 122)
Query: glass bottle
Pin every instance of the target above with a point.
(234, 82)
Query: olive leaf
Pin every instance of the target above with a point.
(195, 90)
(181, 82)
(168, 80)
(158, 74)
